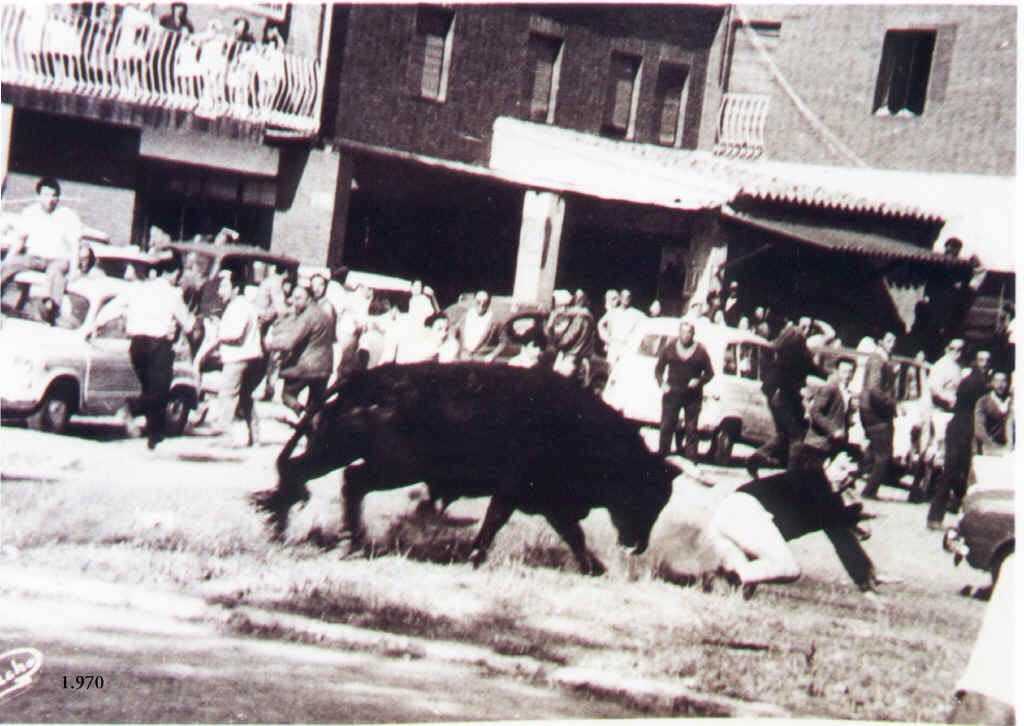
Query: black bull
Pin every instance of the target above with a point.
(529, 439)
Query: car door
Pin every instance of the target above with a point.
(911, 414)
(111, 379)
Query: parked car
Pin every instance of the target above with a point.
(73, 367)
(912, 424)
(734, 407)
(216, 258)
(985, 535)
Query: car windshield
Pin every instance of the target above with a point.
(124, 269)
(26, 302)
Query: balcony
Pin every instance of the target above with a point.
(741, 124)
(209, 75)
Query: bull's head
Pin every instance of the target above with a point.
(635, 514)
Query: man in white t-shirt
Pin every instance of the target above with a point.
(241, 353)
(51, 234)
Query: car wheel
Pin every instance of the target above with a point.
(176, 412)
(721, 445)
(54, 412)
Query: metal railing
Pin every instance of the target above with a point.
(52, 48)
(741, 123)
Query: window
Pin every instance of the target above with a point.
(432, 51)
(651, 345)
(749, 71)
(545, 53)
(729, 362)
(904, 72)
(748, 360)
(621, 101)
(670, 91)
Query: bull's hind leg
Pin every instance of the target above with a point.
(572, 533)
(498, 512)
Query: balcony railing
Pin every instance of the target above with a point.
(52, 48)
(741, 124)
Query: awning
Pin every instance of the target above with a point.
(845, 240)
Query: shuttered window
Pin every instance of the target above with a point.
(545, 53)
(670, 92)
(904, 71)
(434, 43)
(621, 100)
(749, 72)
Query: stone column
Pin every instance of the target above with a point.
(6, 117)
(313, 190)
(540, 237)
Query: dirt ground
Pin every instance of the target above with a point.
(151, 569)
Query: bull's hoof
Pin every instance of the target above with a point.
(595, 568)
(477, 557)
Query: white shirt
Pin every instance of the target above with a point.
(420, 308)
(51, 235)
(152, 308)
(240, 322)
(944, 378)
(475, 328)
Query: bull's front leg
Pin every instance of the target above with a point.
(359, 481)
(498, 513)
(571, 531)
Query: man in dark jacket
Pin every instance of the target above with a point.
(830, 410)
(786, 374)
(752, 526)
(960, 439)
(306, 341)
(682, 370)
(877, 410)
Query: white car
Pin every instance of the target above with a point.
(49, 373)
(734, 407)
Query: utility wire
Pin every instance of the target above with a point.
(826, 134)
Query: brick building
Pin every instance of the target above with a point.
(520, 147)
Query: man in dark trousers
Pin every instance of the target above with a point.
(877, 410)
(155, 314)
(682, 370)
(960, 439)
(786, 374)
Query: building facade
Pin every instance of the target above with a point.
(523, 147)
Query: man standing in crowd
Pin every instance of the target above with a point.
(731, 310)
(51, 233)
(829, 413)
(993, 418)
(571, 332)
(241, 352)
(306, 341)
(751, 527)
(155, 313)
(943, 379)
(877, 411)
(177, 20)
(630, 317)
(608, 324)
(682, 370)
(420, 307)
(479, 330)
(786, 374)
(960, 440)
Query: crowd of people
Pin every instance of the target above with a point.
(128, 47)
(293, 338)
